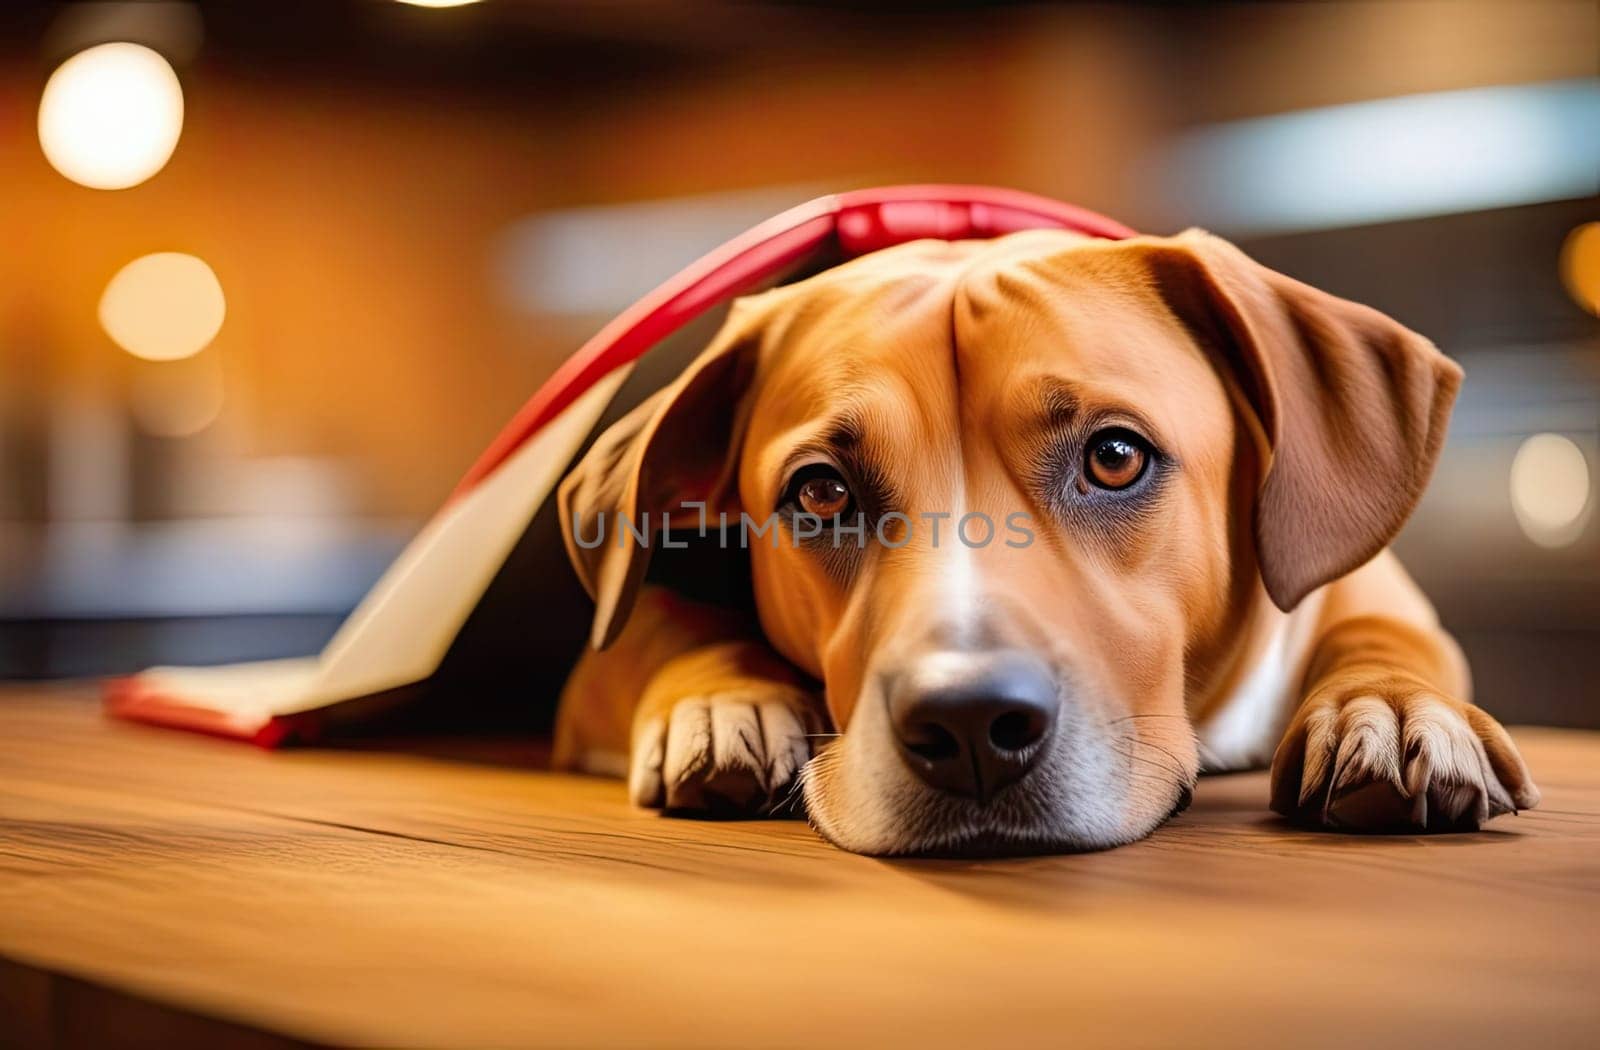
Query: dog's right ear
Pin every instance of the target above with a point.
(678, 447)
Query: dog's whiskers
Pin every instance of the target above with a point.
(790, 797)
(1175, 768)
(1165, 751)
(1130, 718)
(1150, 776)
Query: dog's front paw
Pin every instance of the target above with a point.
(722, 754)
(1375, 751)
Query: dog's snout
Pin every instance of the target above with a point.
(971, 724)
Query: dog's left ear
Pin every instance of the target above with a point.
(1352, 406)
(679, 446)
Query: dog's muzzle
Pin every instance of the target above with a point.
(972, 724)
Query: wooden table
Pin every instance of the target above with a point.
(189, 889)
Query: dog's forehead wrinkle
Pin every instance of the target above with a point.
(1056, 396)
(845, 431)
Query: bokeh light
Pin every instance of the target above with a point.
(111, 115)
(163, 307)
(1580, 266)
(1550, 489)
(438, 3)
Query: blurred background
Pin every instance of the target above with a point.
(273, 273)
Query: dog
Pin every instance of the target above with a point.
(1190, 467)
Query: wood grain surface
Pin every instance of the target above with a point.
(388, 898)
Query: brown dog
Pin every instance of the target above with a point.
(1187, 467)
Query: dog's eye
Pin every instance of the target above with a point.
(1116, 458)
(819, 489)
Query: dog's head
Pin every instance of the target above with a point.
(1026, 494)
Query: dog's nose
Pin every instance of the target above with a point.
(969, 723)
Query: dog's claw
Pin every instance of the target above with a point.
(1368, 760)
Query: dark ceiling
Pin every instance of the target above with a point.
(493, 45)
